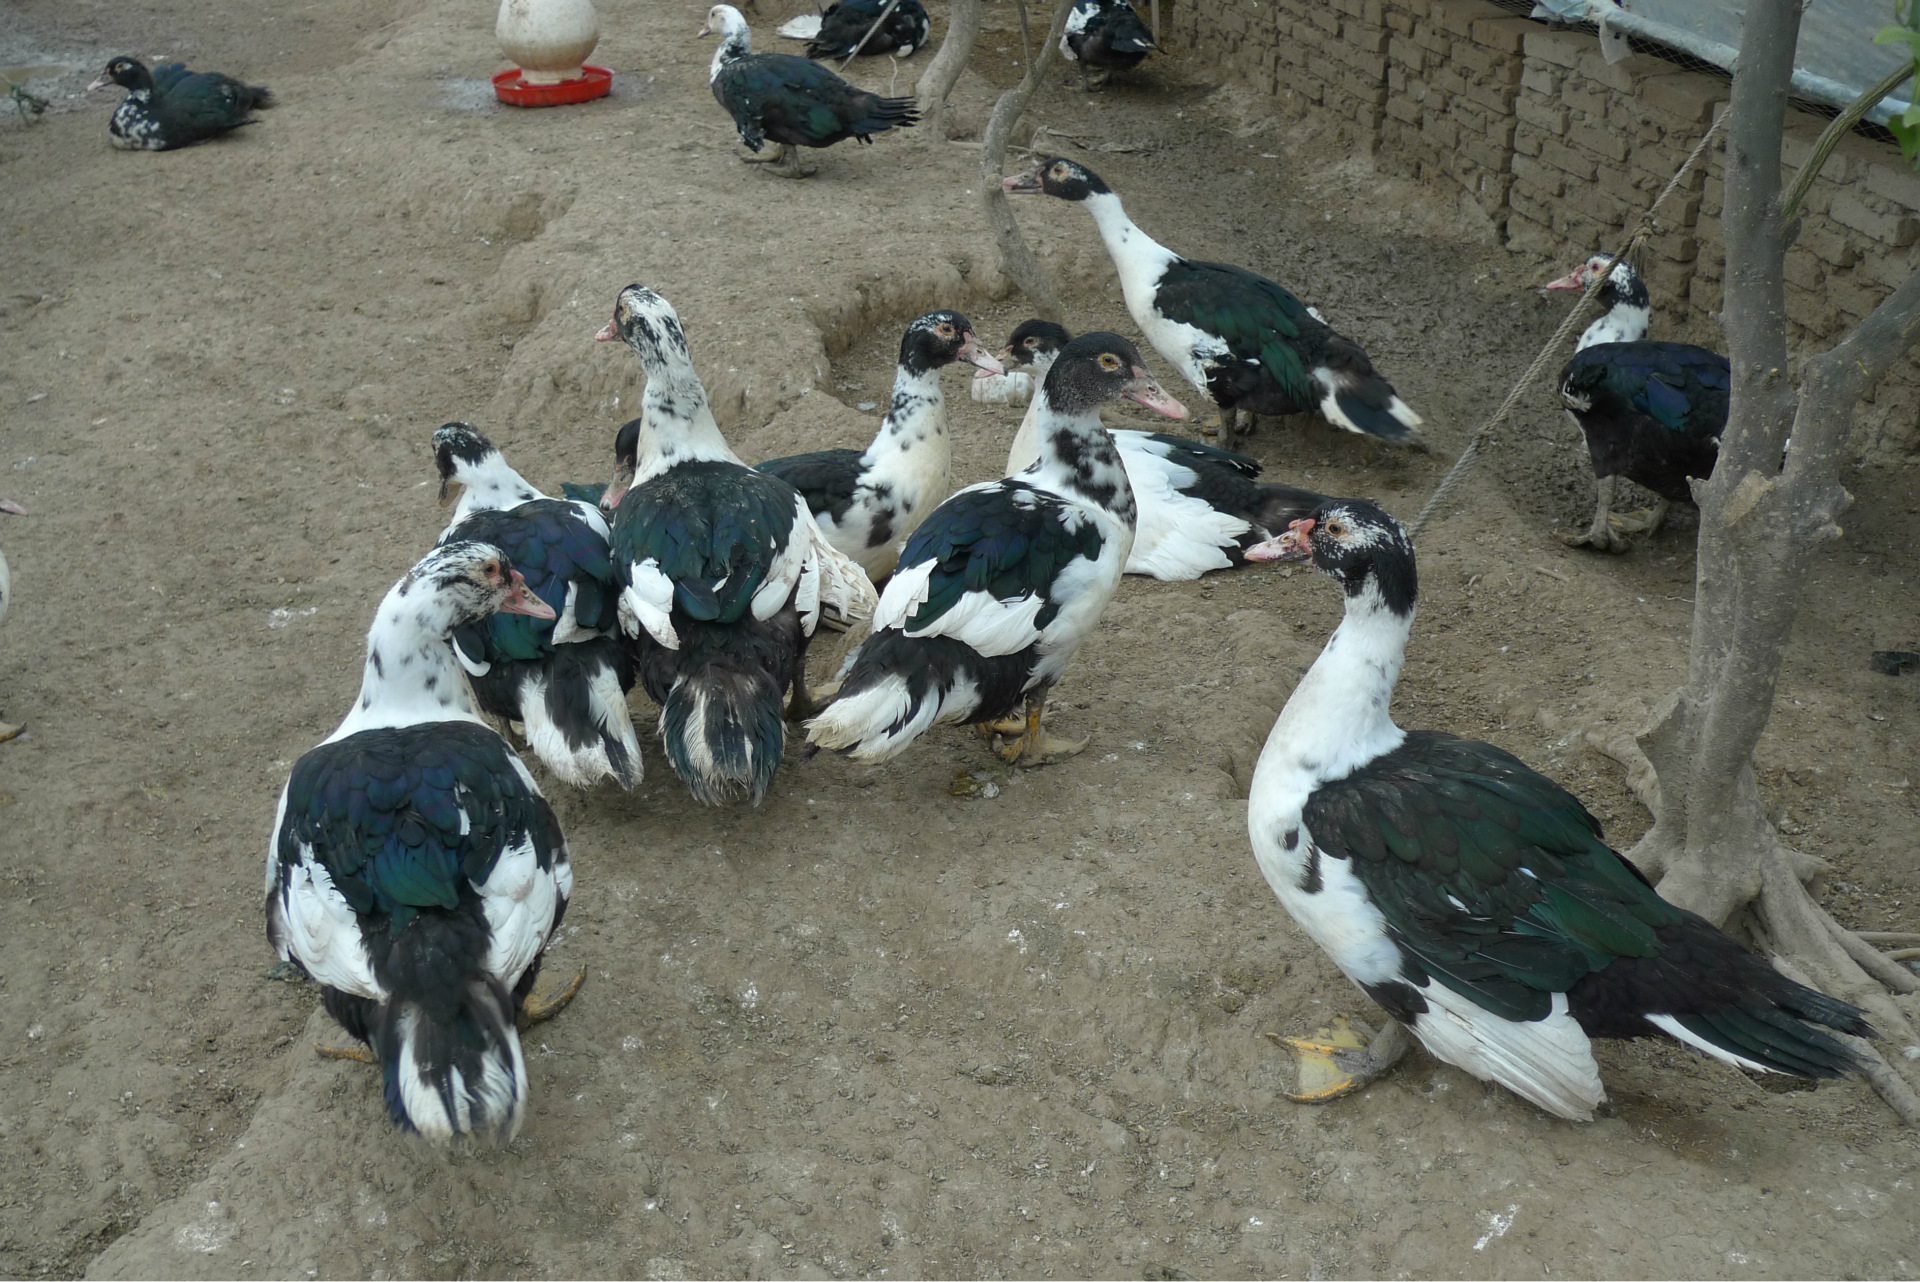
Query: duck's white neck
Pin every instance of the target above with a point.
(411, 675)
(1078, 459)
(1338, 717)
(917, 416)
(735, 42)
(1623, 323)
(1025, 450)
(676, 425)
(490, 486)
(1139, 258)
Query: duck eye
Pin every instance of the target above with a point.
(491, 569)
(1108, 361)
(1338, 529)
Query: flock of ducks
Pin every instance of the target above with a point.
(417, 873)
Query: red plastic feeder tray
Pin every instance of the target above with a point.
(512, 88)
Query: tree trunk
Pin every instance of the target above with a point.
(937, 81)
(1762, 522)
(1016, 258)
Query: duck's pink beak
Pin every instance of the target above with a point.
(1146, 390)
(521, 600)
(1291, 546)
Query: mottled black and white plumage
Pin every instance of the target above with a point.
(1651, 412)
(723, 573)
(868, 502)
(564, 680)
(790, 101)
(1199, 507)
(1472, 897)
(415, 872)
(169, 106)
(1002, 583)
(1107, 34)
(836, 31)
(1237, 336)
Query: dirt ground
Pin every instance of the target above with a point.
(871, 1028)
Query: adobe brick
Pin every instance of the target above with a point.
(1528, 142)
(1402, 109)
(1565, 158)
(1506, 34)
(1889, 178)
(1894, 229)
(1482, 152)
(1561, 48)
(1830, 245)
(1432, 39)
(1404, 51)
(1888, 267)
(1458, 16)
(1583, 95)
(1472, 119)
(1688, 96)
(1365, 35)
(1441, 132)
(1540, 78)
(1399, 21)
(1805, 270)
(1599, 140)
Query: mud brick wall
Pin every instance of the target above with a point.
(1563, 151)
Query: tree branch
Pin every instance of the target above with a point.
(1838, 128)
(937, 81)
(1882, 338)
(1016, 258)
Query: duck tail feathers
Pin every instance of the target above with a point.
(449, 1054)
(724, 732)
(576, 715)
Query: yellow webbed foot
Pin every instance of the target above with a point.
(338, 1043)
(550, 994)
(1342, 1058)
(9, 731)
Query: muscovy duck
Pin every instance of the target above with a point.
(1472, 897)
(1107, 34)
(1237, 336)
(170, 106)
(836, 31)
(564, 680)
(1002, 582)
(1198, 506)
(723, 572)
(1651, 412)
(6, 598)
(416, 873)
(868, 503)
(790, 100)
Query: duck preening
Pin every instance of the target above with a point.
(868, 502)
(416, 873)
(169, 106)
(723, 573)
(565, 680)
(1107, 34)
(1651, 412)
(1199, 507)
(838, 31)
(791, 101)
(1003, 582)
(1236, 336)
(1472, 897)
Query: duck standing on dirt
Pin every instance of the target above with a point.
(1003, 582)
(723, 573)
(1107, 34)
(837, 31)
(1473, 898)
(416, 873)
(170, 106)
(1236, 336)
(867, 503)
(566, 679)
(1199, 506)
(793, 102)
(6, 599)
(1649, 411)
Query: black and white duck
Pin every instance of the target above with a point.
(1473, 898)
(1107, 34)
(723, 573)
(416, 873)
(1199, 507)
(565, 680)
(6, 599)
(838, 30)
(1236, 336)
(169, 106)
(1002, 583)
(791, 101)
(867, 503)
(1651, 412)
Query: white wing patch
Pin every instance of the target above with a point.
(1548, 1061)
(1177, 536)
(520, 900)
(320, 931)
(647, 603)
